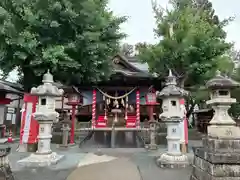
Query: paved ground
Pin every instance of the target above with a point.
(118, 169)
(74, 157)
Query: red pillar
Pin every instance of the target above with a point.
(138, 108)
(29, 126)
(150, 111)
(73, 124)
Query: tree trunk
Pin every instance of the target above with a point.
(182, 82)
(29, 79)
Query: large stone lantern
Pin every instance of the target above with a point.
(45, 115)
(151, 101)
(219, 157)
(172, 116)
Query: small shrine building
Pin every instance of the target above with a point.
(125, 98)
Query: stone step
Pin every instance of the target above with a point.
(217, 170)
(199, 174)
(217, 157)
(221, 145)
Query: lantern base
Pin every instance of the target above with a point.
(40, 160)
(172, 161)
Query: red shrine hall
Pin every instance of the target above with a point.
(125, 100)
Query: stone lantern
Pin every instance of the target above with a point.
(172, 116)
(45, 115)
(74, 99)
(151, 101)
(220, 154)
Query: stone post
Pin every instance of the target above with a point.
(65, 130)
(172, 116)
(5, 169)
(153, 129)
(45, 115)
(218, 159)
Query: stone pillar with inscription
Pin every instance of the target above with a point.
(45, 115)
(65, 131)
(219, 158)
(172, 116)
(153, 132)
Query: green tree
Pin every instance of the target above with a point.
(190, 44)
(74, 39)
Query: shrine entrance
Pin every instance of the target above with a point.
(116, 117)
(117, 107)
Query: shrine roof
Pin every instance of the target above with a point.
(138, 64)
(130, 66)
(129, 70)
(9, 87)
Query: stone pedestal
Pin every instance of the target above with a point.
(40, 160)
(173, 158)
(45, 134)
(219, 158)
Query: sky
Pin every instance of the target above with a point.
(141, 23)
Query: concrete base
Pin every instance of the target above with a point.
(40, 160)
(172, 161)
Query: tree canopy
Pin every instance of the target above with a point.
(74, 39)
(191, 42)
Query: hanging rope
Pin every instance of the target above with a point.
(116, 98)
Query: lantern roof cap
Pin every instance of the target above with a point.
(221, 82)
(171, 79)
(47, 88)
(171, 88)
(47, 77)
